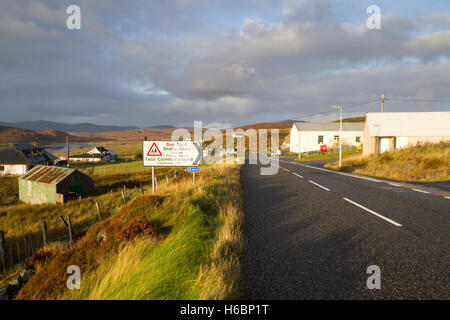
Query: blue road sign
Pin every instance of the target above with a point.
(194, 169)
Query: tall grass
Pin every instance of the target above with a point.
(423, 162)
(197, 256)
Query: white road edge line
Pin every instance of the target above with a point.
(373, 212)
(332, 171)
(319, 185)
(297, 175)
(420, 190)
(395, 185)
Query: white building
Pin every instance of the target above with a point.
(309, 136)
(18, 159)
(386, 131)
(96, 154)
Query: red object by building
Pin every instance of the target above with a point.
(323, 148)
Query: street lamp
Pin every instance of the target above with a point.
(340, 133)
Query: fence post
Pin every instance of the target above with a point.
(167, 179)
(124, 199)
(29, 247)
(18, 252)
(69, 226)
(98, 211)
(142, 188)
(3, 249)
(44, 233)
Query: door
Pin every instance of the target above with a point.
(384, 144)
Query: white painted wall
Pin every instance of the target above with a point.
(14, 169)
(309, 139)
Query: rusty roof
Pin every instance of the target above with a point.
(47, 174)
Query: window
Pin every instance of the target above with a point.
(320, 139)
(2, 168)
(358, 139)
(336, 138)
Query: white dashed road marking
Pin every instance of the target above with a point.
(374, 213)
(295, 174)
(320, 186)
(420, 190)
(286, 170)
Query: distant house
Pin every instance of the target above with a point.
(97, 154)
(386, 131)
(309, 136)
(46, 184)
(17, 159)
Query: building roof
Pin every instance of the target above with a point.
(87, 155)
(329, 126)
(24, 154)
(47, 174)
(409, 124)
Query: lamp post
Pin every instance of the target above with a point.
(340, 133)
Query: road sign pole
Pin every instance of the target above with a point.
(153, 180)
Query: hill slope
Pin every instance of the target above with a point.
(18, 135)
(42, 125)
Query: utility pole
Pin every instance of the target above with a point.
(340, 133)
(382, 103)
(67, 146)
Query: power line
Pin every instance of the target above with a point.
(418, 100)
(344, 107)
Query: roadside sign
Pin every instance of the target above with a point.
(194, 169)
(323, 148)
(172, 153)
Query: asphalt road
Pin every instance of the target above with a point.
(312, 234)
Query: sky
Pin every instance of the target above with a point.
(226, 63)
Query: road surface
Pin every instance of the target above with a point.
(312, 233)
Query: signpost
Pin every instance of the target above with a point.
(193, 170)
(171, 154)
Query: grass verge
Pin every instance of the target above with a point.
(421, 163)
(195, 253)
(329, 155)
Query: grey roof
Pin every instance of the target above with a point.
(24, 154)
(329, 126)
(87, 155)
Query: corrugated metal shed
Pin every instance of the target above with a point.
(47, 184)
(46, 174)
(329, 126)
(409, 124)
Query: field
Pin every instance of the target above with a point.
(183, 243)
(333, 155)
(422, 163)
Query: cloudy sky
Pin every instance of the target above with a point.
(227, 62)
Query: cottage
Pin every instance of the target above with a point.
(309, 136)
(386, 131)
(46, 184)
(17, 159)
(97, 154)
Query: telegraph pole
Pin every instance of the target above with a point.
(382, 103)
(340, 133)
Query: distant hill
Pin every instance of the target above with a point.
(267, 125)
(164, 126)
(291, 122)
(42, 125)
(19, 135)
(354, 119)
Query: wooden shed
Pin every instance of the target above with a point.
(47, 184)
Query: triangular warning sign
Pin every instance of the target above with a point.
(154, 151)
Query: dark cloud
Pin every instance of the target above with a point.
(149, 62)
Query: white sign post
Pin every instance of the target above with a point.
(171, 154)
